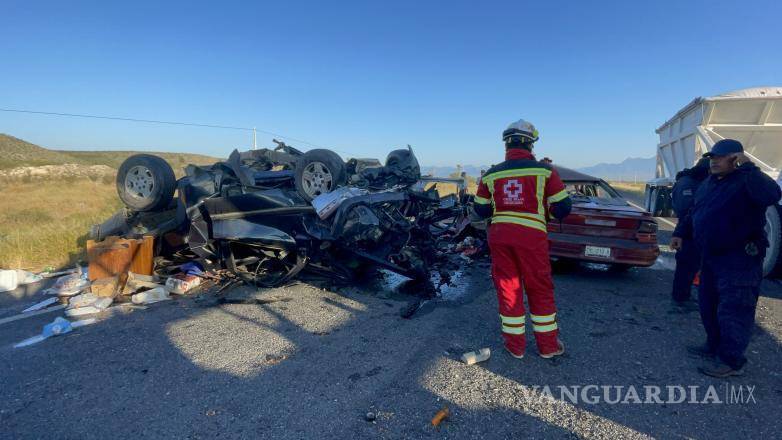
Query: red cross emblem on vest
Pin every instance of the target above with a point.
(512, 190)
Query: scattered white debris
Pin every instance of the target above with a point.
(88, 305)
(69, 285)
(9, 280)
(474, 357)
(41, 305)
(151, 296)
(182, 283)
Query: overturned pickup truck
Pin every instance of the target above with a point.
(266, 215)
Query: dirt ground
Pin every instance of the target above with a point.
(312, 363)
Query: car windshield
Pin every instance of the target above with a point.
(592, 190)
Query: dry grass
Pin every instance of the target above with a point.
(450, 188)
(635, 190)
(47, 223)
(114, 159)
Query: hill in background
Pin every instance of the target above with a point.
(15, 153)
(19, 153)
(629, 170)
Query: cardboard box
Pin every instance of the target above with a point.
(105, 287)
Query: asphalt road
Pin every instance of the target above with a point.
(315, 362)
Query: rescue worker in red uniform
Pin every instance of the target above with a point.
(521, 195)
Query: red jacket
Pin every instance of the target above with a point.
(521, 191)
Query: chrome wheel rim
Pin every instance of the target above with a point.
(139, 182)
(316, 179)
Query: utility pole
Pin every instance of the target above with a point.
(255, 146)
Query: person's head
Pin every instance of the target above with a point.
(520, 134)
(701, 169)
(723, 157)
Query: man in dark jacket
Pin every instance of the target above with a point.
(727, 223)
(688, 259)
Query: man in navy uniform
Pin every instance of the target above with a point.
(727, 223)
(688, 258)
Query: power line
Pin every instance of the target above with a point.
(117, 118)
(153, 121)
(126, 148)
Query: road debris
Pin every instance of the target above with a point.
(31, 314)
(151, 296)
(69, 285)
(8, 280)
(136, 282)
(474, 357)
(41, 305)
(440, 416)
(11, 279)
(105, 287)
(182, 283)
(87, 304)
(115, 256)
(59, 326)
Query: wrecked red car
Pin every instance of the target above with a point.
(602, 227)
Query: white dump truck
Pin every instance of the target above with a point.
(751, 116)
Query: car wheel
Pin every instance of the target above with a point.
(771, 263)
(319, 172)
(145, 183)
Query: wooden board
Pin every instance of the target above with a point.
(117, 256)
(142, 259)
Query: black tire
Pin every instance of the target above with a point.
(318, 172)
(654, 205)
(145, 183)
(667, 202)
(771, 264)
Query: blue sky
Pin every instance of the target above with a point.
(365, 77)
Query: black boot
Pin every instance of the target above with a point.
(720, 370)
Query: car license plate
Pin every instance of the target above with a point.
(599, 222)
(597, 251)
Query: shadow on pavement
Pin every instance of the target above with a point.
(313, 366)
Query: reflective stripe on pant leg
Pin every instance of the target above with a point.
(513, 325)
(540, 328)
(544, 323)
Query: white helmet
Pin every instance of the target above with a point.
(522, 130)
